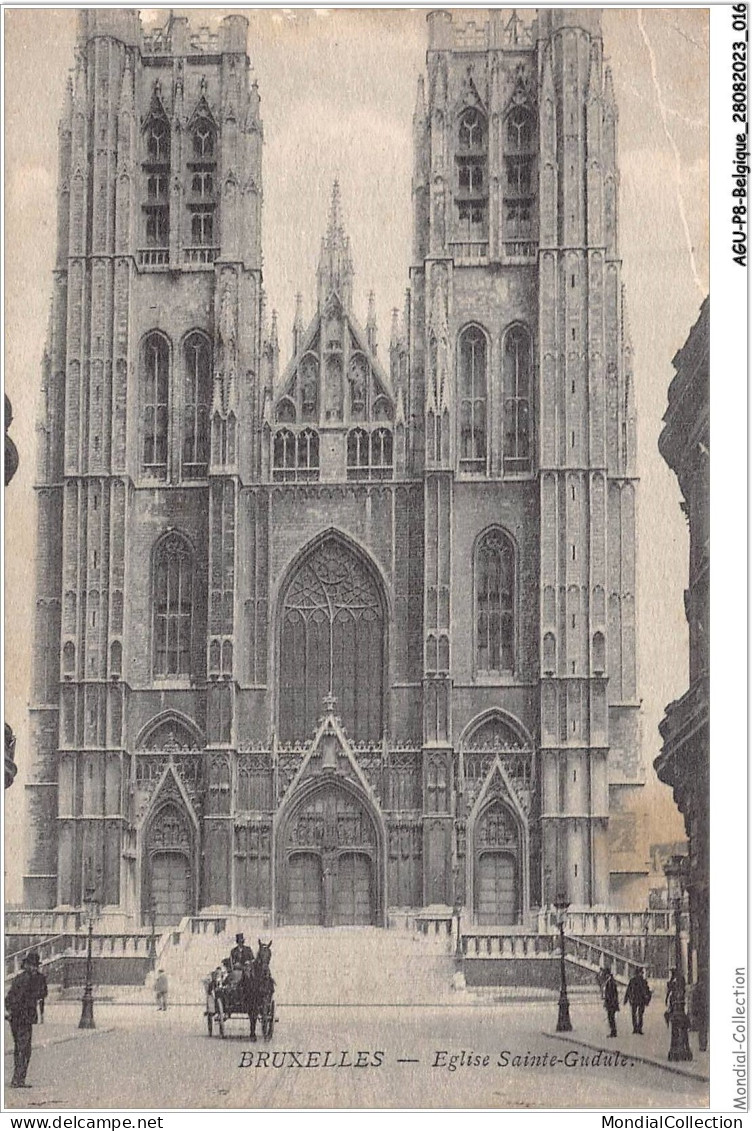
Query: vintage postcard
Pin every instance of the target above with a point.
(357, 558)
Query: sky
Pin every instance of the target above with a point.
(337, 95)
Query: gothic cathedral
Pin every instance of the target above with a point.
(339, 638)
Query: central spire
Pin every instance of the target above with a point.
(335, 271)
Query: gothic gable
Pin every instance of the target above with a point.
(334, 375)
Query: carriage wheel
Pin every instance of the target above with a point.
(267, 1020)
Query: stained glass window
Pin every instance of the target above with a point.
(332, 639)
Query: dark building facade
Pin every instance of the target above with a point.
(684, 761)
(356, 634)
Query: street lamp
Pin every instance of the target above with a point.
(87, 1001)
(563, 1024)
(152, 937)
(457, 913)
(675, 869)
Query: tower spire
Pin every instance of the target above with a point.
(335, 272)
(298, 325)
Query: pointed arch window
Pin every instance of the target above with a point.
(332, 626)
(471, 177)
(519, 183)
(494, 603)
(296, 456)
(156, 388)
(197, 393)
(369, 454)
(202, 201)
(156, 206)
(517, 376)
(173, 607)
(473, 356)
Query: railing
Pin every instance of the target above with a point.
(48, 950)
(596, 957)
(124, 945)
(609, 922)
(208, 925)
(154, 256)
(469, 249)
(434, 924)
(520, 249)
(23, 922)
(200, 254)
(482, 945)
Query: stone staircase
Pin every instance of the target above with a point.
(322, 966)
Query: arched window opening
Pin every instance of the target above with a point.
(156, 370)
(286, 411)
(203, 141)
(156, 206)
(173, 607)
(472, 382)
(359, 375)
(309, 387)
(519, 184)
(494, 603)
(158, 143)
(202, 201)
(369, 454)
(296, 457)
(471, 178)
(197, 359)
(332, 640)
(517, 374)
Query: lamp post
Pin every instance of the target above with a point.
(679, 1050)
(152, 937)
(87, 1001)
(563, 1024)
(457, 913)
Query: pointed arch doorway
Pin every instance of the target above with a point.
(329, 860)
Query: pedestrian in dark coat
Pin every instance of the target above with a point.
(638, 996)
(41, 984)
(610, 999)
(21, 1007)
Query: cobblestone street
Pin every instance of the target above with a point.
(137, 1058)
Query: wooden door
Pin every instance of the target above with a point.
(353, 902)
(170, 887)
(305, 903)
(496, 889)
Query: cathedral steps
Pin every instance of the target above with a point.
(325, 966)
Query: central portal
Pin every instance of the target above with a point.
(329, 861)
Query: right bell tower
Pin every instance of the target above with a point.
(522, 416)
(589, 740)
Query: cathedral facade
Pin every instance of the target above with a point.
(349, 634)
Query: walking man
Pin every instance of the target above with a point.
(160, 989)
(610, 999)
(638, 996)
(21, 1007)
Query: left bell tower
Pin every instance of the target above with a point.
(149, 381)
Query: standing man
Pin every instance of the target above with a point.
(160, 989)
(21, 1007)
(638, 996)
(610, 998)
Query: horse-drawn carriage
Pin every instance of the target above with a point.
(242, 991)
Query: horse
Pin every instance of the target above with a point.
(262, 997)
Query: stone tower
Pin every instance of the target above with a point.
(150, 376)
(521, 390)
